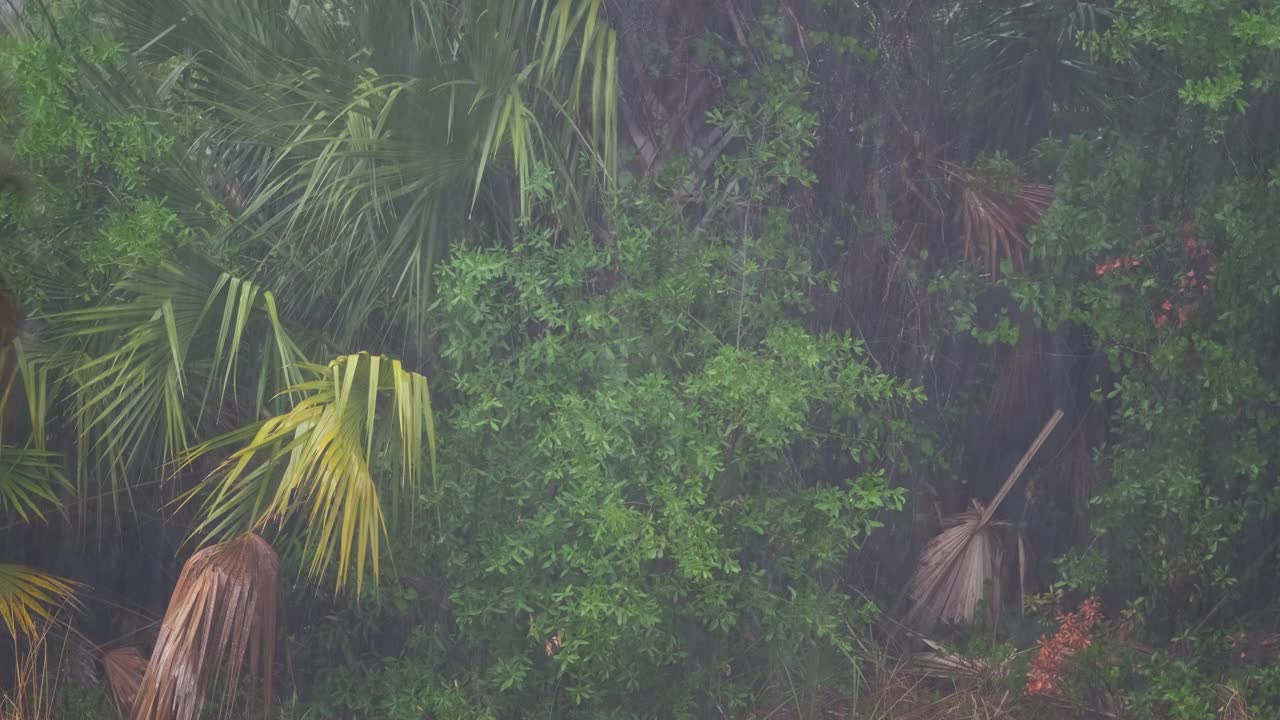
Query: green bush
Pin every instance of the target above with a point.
(649, 421)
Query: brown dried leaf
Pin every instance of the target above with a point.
(222, 613)
(124, 668)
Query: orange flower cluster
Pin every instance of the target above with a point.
(1075, 633)
(1124, 261)
(1190, 285)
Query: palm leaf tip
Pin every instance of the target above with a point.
(29, 597)
(221, 615)
(29, 479)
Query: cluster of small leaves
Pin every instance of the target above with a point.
(1227, 47)
(653, 421)
(90, 216)
(652, 472)
(1167, 273)
(1075, 633)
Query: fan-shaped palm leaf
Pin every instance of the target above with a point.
(124, 668)
(958, 566)
(1019, 63)
(355, 131)
(29, 597)
(28, 479)
(184, 340)
(993, 224)
(222, 613)
(316, 458)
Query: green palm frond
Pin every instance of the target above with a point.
(1020, 63)
(24, 373)
(598, 45)
(29, 597)
(369, 137)
(315, 462)
(156, 369)
(28, 480)
(29, 474)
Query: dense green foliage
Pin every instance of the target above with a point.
(710, 358)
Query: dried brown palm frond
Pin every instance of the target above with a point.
(958, 565)
(993, 223)
(939, 662)
(901, 693)
(222, 613)
(124, 668)
(956, 569)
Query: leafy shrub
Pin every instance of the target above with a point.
(633, 447)
(92, 215)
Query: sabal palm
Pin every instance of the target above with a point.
(1020, 63)
(357, 140)
(165, 363)
(352, 142)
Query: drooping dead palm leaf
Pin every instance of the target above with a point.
(940, 662)
(994, 224)
(124, 668)
(957, 566)
(222, 613)
(29, 597)
(956, 569)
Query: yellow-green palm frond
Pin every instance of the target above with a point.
(313, 463)
(28, 370)
(597, 53)
(29, 597)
